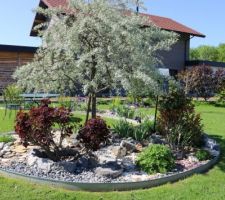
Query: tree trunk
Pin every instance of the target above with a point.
(88, 108)
(156, 110)
(93, 109)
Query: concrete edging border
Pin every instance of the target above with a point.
(98, 187)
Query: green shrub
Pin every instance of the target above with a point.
(122, 110)
(140, 132)
(125, 111)
(202, 154)
(29, 105)
(11, 95)
(66, 102)
(156, 159)
(82, 107)
(148, 102)
(116, 102)
(6, 138)
(221, 97)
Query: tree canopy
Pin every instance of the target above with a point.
(95, 46)
(210, 53)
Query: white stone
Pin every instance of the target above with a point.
(118, 152)
(128, 145)
(31, 160)
(1, 145)
(193, 159)
(44, 164)
(108, 172)
(142, 177)
(6, 148)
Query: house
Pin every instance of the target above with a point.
(174, 60)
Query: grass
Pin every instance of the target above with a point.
(208, 186)
(6, 138)
(7, 119)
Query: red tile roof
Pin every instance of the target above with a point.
(55, 3)
(162, 22)
(169, 24)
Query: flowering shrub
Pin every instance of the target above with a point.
(94, 133)
(36, 127)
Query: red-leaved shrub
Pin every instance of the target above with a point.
(94, 133)
(36, 127)
(178, 122)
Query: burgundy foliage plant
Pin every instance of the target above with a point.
(94, 133)
(36, 127)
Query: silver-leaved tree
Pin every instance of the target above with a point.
(95, 45)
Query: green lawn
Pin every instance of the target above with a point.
(209, 186)
(7, 120)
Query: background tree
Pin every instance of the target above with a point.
(210, 53)
(194, 54)
(204, 52)
(221, 50)
(97, 45)
(202, 81)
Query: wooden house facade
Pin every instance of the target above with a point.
(12, 57)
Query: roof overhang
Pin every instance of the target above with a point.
(15, 48)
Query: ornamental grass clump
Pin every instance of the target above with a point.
(93, 134)
(139, 132)
(36, 127)
(156, 159)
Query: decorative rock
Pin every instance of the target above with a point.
(145, 143)
(179, 155)
(31, 159)
(7, 155)
(193, 159)
(111, 170)
(103, 159)
(44, 164)
(1, 145)
(128, 145)
(10, 143)
(6, 149)
(68, 166)
(139, 147)
(1, 153)
(6, 161)
(118, 152)
(137, 178)
(129, 162)
(19, 149)
(108, 172)
(156, 139)
(85, 162)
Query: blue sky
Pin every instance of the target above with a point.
(206, 16)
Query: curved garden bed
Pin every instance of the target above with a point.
(121, 186)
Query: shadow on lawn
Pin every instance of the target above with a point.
(221, 141)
